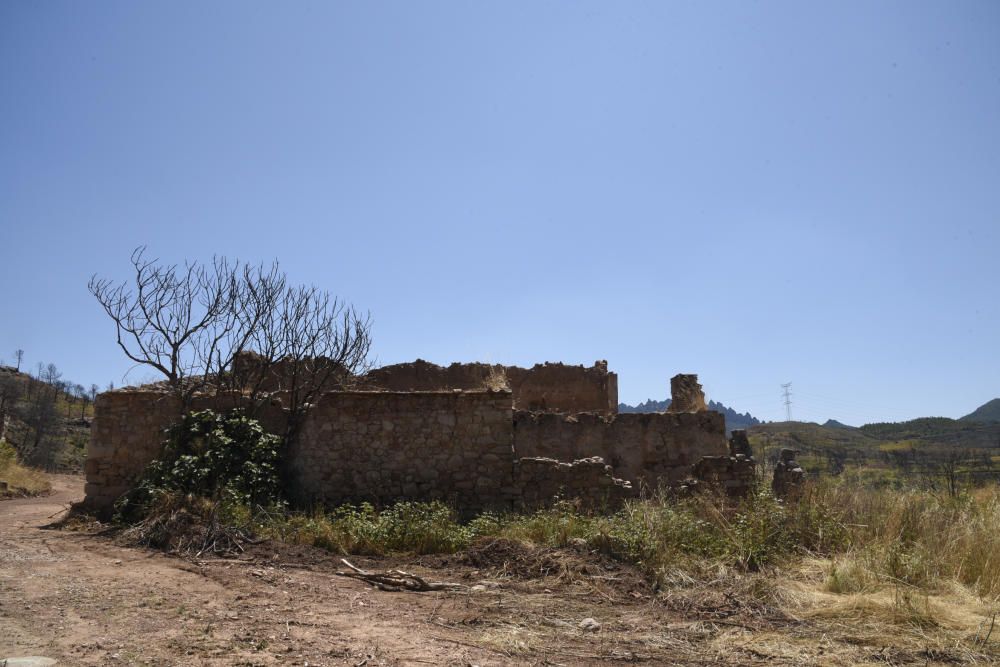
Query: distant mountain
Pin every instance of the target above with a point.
(649, 406)
(987, 412)
(734, 420)
(833, 423)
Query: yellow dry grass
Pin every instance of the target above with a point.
(20, 480)
(946, 622)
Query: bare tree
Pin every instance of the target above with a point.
(308, 343)
(19, 356)
(40, 442)
(52, 376)
(10, 392)
(70, 399)
(194, 323)
(943, 467)
(186, 321)
(81, 393)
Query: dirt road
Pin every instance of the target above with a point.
(83, 600)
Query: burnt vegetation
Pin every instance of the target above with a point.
(225, 325)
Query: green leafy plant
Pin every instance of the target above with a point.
(223, 457)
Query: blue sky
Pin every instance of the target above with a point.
(757, 192)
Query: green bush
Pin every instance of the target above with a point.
(224, 457)
(406, 527)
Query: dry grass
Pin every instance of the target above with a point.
(949, 623)
(916, 538)
(847, 575)
(19, 480)
(497, 380)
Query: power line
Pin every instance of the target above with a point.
(788, 400)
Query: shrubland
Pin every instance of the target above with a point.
(885, 563)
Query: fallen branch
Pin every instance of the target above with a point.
(395, 580)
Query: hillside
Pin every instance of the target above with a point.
(987, 412)
(45, 419)
(928, 447)
(825, 446)
(938, 431)
(734, 420)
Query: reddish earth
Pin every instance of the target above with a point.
(82, 599)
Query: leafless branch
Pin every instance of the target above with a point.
(193, 323)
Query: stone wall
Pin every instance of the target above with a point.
(253, 373)
(648, 449)
(126, 434)
(590, 482)
(128, 431)
(469, 448)
(385, 446)
(550, 386)
(567, 389)
(686, 394)
(733, 475)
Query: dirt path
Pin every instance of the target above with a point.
(83, 600)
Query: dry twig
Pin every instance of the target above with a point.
(395, 580)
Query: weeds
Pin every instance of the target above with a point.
(870, 537)
(16, 479)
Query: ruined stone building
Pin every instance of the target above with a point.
(475, 435)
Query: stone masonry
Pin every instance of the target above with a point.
(788, 476)
(590, 482)
(128, 431)
(551, 387)
(686, 394)
(455, 446)
(733, 474)
(648, 449)
(471, 448)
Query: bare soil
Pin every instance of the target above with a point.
(82, 599)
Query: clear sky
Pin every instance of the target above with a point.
(758, 192)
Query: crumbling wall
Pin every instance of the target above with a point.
(590, 481)
(387, 446)
(788, 476)
(651, 448)
(422, 375)
(550, 386)
(686, 394)
(562, 388)
(128, 432)
(254, 373)
(469, 448)
(733, 475)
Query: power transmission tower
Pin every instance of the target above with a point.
(788, 400)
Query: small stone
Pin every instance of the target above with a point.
(589, 625)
